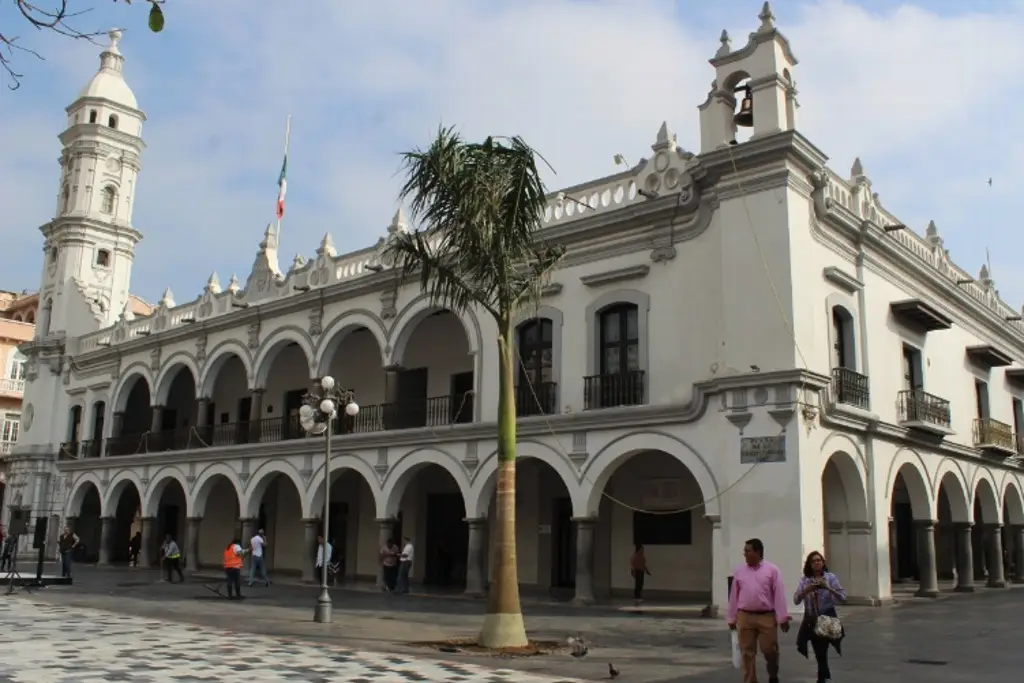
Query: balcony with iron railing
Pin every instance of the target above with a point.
(613, 391)
(536, 399)
(12, 387)
(431, 412)
(994, 437)
(7, 447)
(917, 409)
(851, 388)
(68, 451)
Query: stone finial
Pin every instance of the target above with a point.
(857, 170)
(167, 300)
(327, 246)
(298, 262)
(127, 314)
(767, 18)
(931, 234)
(725, 49)
(984, 276)
(398, 223)
(269, 238)
(234, 286)
(115, 35)
(665, 139)
(213, 284)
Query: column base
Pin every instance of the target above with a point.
(996, 584)
(582, 602)
(926, 593)
(963, 589)
(1018, 580)
(474, 593)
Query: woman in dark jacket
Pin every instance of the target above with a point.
(819, 591)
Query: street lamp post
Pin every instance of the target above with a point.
(316, 417)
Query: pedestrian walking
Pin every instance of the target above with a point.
(639, 571)
(757, 610)
(7, 554)
(389, 564)
(66, 545)
(819, 591)
(257, 558)
(233, 560)
(134, 548)
(404, 566)
(172, 559)
(322, 559)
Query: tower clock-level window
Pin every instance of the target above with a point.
(109, 198)
(112, 121)
(53, 254)
(92, 116)
(103, 258)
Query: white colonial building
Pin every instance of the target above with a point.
(741, 343)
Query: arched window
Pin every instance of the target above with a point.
(535, 393)
(93, 116)
(109, 199)
(16, 365)
(843, 340)
(112, 121)
(620, 380)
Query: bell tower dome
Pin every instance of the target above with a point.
(90, 244)
(762, 73)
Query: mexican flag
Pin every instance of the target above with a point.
(282, 188)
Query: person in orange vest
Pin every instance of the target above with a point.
(233, 555)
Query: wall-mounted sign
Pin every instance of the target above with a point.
(755, 449)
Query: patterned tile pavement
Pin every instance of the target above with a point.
(46, 643)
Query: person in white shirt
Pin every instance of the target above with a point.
(320, 560)
(404, 566)
(257, 545)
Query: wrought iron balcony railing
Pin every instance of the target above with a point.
(994, 434)
(536, 399)
(851, 388)
(613, 391)
(917, 405)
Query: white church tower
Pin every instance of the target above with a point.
(90, 244)
(88, 251)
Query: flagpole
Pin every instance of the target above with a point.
(287, 139)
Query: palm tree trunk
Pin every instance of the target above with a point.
(503, 625)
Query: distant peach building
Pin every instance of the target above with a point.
(17, 325)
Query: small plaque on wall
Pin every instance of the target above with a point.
(544, 529)
(755, 449)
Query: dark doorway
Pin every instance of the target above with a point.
(127, 509)
(167, 524)
(338, 535)
(563, 540)
(293, 400)
(906, 548)
(446, 542)
(461, 398)
(242, 423)
(411, 409)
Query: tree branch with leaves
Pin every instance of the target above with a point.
(482, 206)
(58, 18)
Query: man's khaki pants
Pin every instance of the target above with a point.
(758, 631)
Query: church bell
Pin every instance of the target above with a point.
(745, 116)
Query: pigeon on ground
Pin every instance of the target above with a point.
(577, 647)
(613, 672)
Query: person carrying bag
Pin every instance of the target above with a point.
(819, 591)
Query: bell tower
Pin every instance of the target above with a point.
(90, 244)
(761, 72)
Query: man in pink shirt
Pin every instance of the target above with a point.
(757, 609)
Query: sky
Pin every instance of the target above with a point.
(923, 93)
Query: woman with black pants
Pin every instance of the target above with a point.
(819, 591)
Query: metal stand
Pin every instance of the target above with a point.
(14, 579)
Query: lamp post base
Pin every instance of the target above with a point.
(322, 613)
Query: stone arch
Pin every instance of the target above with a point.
(842, 481)
(485, 477)
(603, 465)
(252, 496)
(79, 490)
(557, 319)
(273, 345)
(133, 373)
(215, 360)
(116, 487)
(642, 301)
(949, 479)
(1013, 504)
(402, 472)
(169, 371)
(418, 309)
(314, 502)
(158, 484)
(340, 327)
(205, 484)
(985, 498)
(908, 466)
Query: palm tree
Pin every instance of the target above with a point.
(482, 205)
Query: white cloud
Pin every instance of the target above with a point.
(918, 96)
